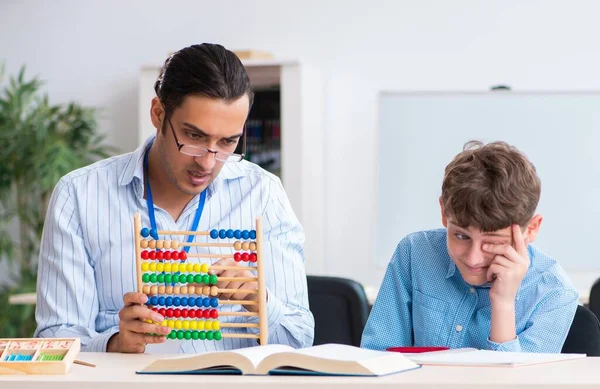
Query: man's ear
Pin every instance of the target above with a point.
(533, 228)
(157, 114)
(444, 217)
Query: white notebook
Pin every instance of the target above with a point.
(472, 357)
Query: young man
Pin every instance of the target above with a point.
(188, 171)
(478, 282)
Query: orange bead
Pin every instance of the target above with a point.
(161, 289)
(153, 290)
(237, 245)
(144, 244)
(146, 289)
(214, 290)
(174, 244)
(245, 245)
(191, 289)
(253, 246)
(167, 244)
(206, 290)
(176, 289)
(160, 244)
(184, 289)
(152, 244)
(169, 289)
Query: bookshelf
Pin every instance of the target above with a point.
(285, 136)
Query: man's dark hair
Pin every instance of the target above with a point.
(208, 70)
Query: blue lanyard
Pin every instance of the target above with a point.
(150, 203)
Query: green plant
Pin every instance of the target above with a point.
(39, 143)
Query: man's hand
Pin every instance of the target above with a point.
(133, 335)
(242, 284)
(508, 268)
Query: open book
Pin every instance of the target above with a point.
(474, 357)
(327, 359)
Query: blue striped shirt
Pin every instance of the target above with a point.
(424, 301)
(87, 255)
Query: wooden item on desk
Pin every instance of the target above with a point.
(37, 355)
(168, 279)
(253, 54)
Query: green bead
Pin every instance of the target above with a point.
(218, 335)
(198, 279)
(202, 335)
(205, 279)
(173, 334)
(195, 335)
(145, 277)
(153, 278)
(175, 278)
(160, 278)
(187, 335)
(213, 279)
(180, 334)
(168, 278)
(190, 278)
(209, 335)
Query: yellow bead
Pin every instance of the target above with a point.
(253, 246)
(171, 323)
(193, 325)
(164, 323)
(160, 244)
(167, 244)
(144, 244)
(189, 267)
(196, 267)
(186, 325)
(204, 268)
(152, 266)
(152, 244)
(245, 246)
(237, 245)
(160, 267)
(201, 325)
(175, 267)
(144, 266)
(167, 267)
(208, 326)
(216, 325)
(178, 324)
(174, 244)
(148, 321)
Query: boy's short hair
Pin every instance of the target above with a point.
(490, 187)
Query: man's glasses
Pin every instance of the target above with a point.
(222, 156)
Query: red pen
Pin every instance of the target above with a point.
(414, 350)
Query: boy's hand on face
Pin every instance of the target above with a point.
(508, 268)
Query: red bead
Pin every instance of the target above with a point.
(177, 312)
(145, 254)
(163, 312)
(159, 255)
(206, 313)
(237, 257)
(155, 310)
(170, 312)
(184, 313)
(245, 257)
(214, 313)
(192, 313)
(152, 255)
(253, 257)
(182, 255)
(167, 255)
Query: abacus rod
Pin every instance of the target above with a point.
(238, 314)
(196, 244)
(241, 267)
(240, 279)
(246, 336)
(247, 291)
(210, 255)
(236, 302)
(197, 233)
(239, 325)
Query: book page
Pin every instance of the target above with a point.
(256, 354)
(340, 352)
(490, 358)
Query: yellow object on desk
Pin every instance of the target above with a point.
(38, 356)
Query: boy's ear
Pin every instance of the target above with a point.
(444, 217)
(157, 113)
(532, 228)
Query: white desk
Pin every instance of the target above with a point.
(117, 371)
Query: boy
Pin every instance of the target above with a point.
(478, 282)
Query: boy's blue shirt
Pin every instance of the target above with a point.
(424, 301)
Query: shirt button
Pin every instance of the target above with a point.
(471, 290)
(458, 328)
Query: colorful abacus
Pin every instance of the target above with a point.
(170, 282)
(37, 356)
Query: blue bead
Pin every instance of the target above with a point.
(161, 300)
(153, 300)
(191, 301)
(149, 302)
(230, 234)
(199, 302)
(214, 302)
(206, 302)
(154, 233)
(237, 234)
(145, 232)
(252, 234)
(176, 301)
(222, 234)
(184, 301)
(169, 301)
(245, 234)
(214, 234)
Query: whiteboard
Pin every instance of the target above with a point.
(420, 133)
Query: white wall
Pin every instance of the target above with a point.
(92, 52)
